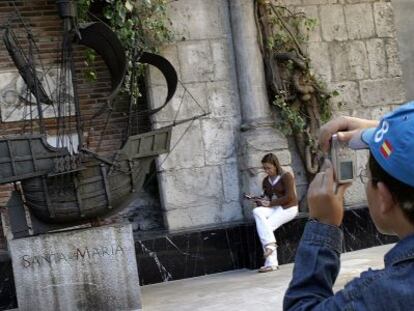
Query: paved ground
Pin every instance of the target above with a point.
(246, 289)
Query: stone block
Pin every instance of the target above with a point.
(188, 101)
(348, 97)
(230, 177)
(223, 100)
(320, 60)
(223, 64)
(356, 13)
(311, 11)
(339, 113)
(252, 180)
(382, 92)
(393, 58)
(309, 2)
(230, 212)
(177, 219)
(358, 60)
(264, 140)
(376, 58)
(376, 113)
(373, 113)
(196, 61)
(384, 19)
(193, 217)
(219, 136)
(291, 2)
(356, 1)
(333, 23)
(84, 269)
(186, 188)
(349, 61)
(186, 149)
(360, 112)
(199, 19)
(252, 183)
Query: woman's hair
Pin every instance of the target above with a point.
(401, 192)
(272, 159)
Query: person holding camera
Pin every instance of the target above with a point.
(389, 183)
(277, 206)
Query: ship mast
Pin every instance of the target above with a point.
(67, 11)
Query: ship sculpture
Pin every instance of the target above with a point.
(62, 188)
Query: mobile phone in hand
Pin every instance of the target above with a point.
(250, 197)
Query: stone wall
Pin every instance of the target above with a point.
(354, 50)
(405, 25)
(199, 180)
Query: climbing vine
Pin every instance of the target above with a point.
(141, 25)
(300, 99)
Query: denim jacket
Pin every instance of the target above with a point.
(317, 266)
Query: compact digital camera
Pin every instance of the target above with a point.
(344, 161)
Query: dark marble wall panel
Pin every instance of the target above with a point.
(173, 257)
(360, 232)
(187, 255)
(7, 288)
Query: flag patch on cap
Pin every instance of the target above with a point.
(386, 149)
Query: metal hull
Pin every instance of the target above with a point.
(59, 189)
(87, 194)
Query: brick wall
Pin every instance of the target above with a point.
(45, 24)
(42, 18)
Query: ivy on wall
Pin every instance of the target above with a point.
(300, 99)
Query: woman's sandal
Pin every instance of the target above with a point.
(269, 251)
(265, 269)
(266, 253)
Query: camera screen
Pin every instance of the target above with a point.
(347, 171)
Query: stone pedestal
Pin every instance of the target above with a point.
(87, 269)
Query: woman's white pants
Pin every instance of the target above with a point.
(268, 219)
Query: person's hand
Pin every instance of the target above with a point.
(261, 202)
(324, 204)
(346, 127)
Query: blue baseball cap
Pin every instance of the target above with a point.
(392, 143)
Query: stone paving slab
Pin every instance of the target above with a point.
(246, 289)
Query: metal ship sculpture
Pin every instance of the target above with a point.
(61, 188)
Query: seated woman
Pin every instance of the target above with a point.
(277, 206)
